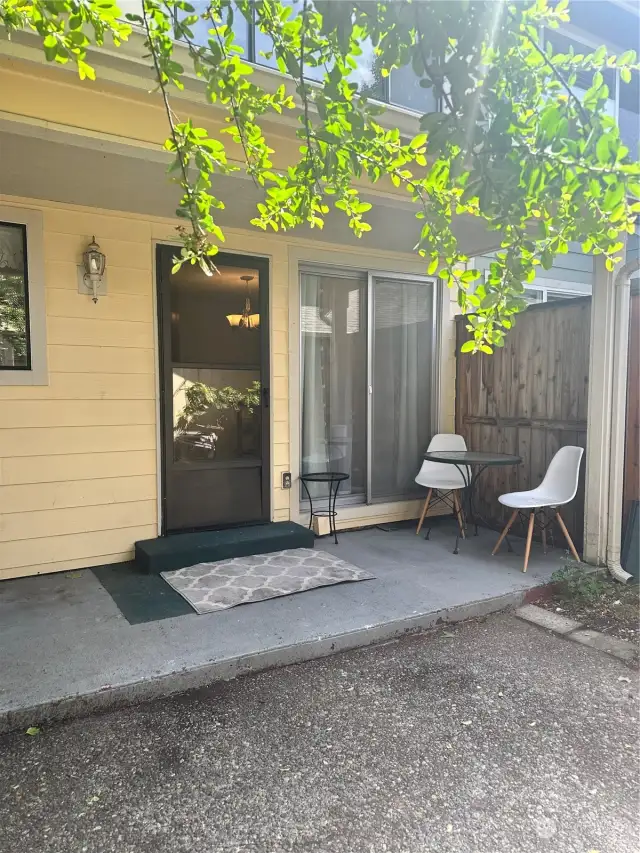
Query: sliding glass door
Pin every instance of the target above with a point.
(334, 369)
(401, 369)
(367, 361)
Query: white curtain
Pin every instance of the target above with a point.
(401, 427)
(333, 363)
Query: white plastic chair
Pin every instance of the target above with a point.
(558, 487)
(443, 477)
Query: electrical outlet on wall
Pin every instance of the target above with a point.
(286, 479)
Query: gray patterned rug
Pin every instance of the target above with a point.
(217, 586)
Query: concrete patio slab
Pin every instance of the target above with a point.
(68, 650)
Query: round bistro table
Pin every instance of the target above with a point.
(333, 478)
(471, 464)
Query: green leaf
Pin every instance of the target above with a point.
(613, 196)
(33, 731)
(418, 141)
(602, 149)
(85, 70)
(468, 346)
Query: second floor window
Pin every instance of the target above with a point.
(402, 88)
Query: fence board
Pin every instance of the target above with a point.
(632, 451)
(529, 398)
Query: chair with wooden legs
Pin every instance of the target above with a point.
(443, 480)
(558, 487)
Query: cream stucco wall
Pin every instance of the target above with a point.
(79, 457)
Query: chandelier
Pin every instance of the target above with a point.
(246, 320)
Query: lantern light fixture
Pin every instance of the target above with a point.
(91, 275)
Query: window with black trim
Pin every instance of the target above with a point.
(15, 348)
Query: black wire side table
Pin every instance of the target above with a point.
(471, 464)
(333, 478)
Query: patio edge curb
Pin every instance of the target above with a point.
(179, 681)
(575, 631)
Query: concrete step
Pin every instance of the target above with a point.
(166, 553)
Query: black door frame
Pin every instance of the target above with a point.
(163, 256)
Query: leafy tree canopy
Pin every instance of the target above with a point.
(513, 145)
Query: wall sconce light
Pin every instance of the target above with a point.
(91, 275)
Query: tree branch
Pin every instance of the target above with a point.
(193, 216)
(559, 77)
(234, 103)
(304, 95)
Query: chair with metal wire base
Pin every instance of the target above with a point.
(443, 481)
(558, 487)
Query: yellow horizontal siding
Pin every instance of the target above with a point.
(280, 388)
(78, 519)
(87, 386)
(70, 303)
(279, 343)
(119, 253)
(31, 497)
(126, 229)
(105, 333)
(76, 466)
(280, 432)
(94, 359)
(279, 320)
(44, 441)
(280, 366)
(24, 414)
(281, 454)
(63, 275)
(94, 545)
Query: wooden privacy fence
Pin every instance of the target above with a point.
(528, 398)
(632, 454)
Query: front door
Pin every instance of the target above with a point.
(213, 338)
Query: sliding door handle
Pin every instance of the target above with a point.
(265, 397)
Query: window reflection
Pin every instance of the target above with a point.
(366, 75)
(629, 118)
(406, 91)
(216, 414)
(216, 386)
(14, 335)
(405, 86)
(584, 79)
(201, 29)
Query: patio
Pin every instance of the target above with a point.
(68, 648)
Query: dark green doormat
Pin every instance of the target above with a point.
(141, 596)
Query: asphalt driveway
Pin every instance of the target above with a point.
(489, 737)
